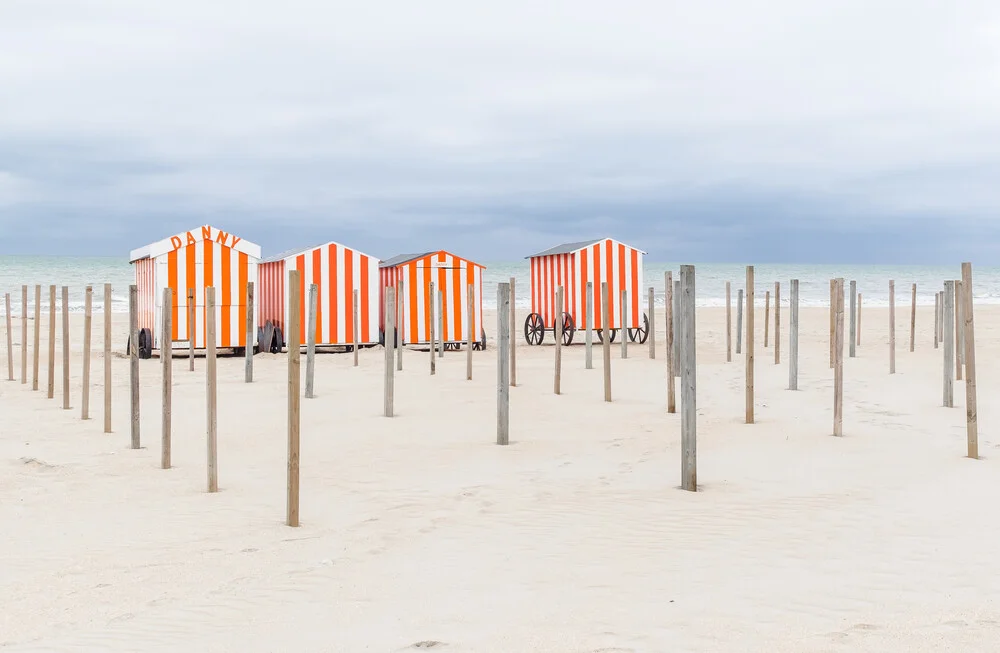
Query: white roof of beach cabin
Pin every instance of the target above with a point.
(569, 248)
(197, 235)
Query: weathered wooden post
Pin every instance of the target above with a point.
(793, 337)
(311, 339)
(588, 328)
(294, 415)
(689, 383)
(10, 340)
(503, 363)
(937, 317)
(838, 365)
(677, 327)
(606, 338)
(399, 340)
(668, 308)
(739, 321)
(767, 315)
(558, 337)
(52, 342)
(749, 353)
(948, 390)
(431, 325)
(36, 352)
(248, 365)
(354, 336)
(107, 358)
(440, 323)
(167, 359)
(65, 346)
(854, 318)
(513, 330)
(859, 319)
(624, 330)
(389, 381)
(959, 330)
(24, 334)
(777, 323)
(471, 303)
(211, 387)
(652, 325)
(87, 328)
(729, 326)
(833, 319)
(941, 320)
(913, 315)
(892, 327)
(191, 327)
(133, 356)
(971, 400)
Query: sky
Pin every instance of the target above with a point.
(714, 131)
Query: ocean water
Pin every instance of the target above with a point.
(710, 281)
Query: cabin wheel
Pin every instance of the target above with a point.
(145, 343)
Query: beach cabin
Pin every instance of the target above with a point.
(451, 275)
(337, 271)
(195, 260)
(572, 265)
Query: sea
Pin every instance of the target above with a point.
(710, 281)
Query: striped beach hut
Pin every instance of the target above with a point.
(195, 260)
(338, 271)
(572, 265)
(451, 275)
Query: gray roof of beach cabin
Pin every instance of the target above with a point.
(301, 250)
(400, 259)
(566, 248)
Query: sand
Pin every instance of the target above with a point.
(419, 532)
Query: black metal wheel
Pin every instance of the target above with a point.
(568, 329)
(277, 341)
(395, 337)
(145, 343)
(480, 345)
(640, 334)
(534, 329)
(600, 335)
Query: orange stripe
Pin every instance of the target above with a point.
(635, 284)
(317, 278)
(244, 270)
(189, 253)
(333, 291)
(172, 283)
(365, 334)
(609, 276)
(300, 265)
(598, 297)
(584, 278)
(410, 273)
(209, 271)
(226, 300)
(471, 281)
(348, 300)
(463, 300)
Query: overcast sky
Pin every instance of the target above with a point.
(728, 130)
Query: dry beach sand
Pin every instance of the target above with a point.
(419, 532)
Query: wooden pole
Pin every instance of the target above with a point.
(777, 323)
(672, 362)
(677, 327)
(793, 337)
(388, 383)
(24, 335)
(913, 316)
(767, 314)
(87, 329)
(948, 312)
(941, 320)
(854, 318)
(10, 340)
(971, 401)
(606, 340)
(294, 380)
(558, 338)
(651, 336)
(937, 317)
(689, 382)
(431, 324)
(212, 388)
(624, 330)
(107, 358)
(729, 326)
(167, 359)
(833, 320)
(191, 328)
(354, 320)
(248, 365)
(52, 342)
(311, 340)
(838, 365)
(440, 323)
(588, 308)
(959, 330)
(739, 321)
(398, 325)
(859, 319)
(503, 363)
(892, 327)
(749, 353)
(513, 330)
(65, 346)
(36, 353)
(133, 356)
(471, 305)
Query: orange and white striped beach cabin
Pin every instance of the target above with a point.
(338, 271)
(572, 265)
(451, 276)
(196, 259)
